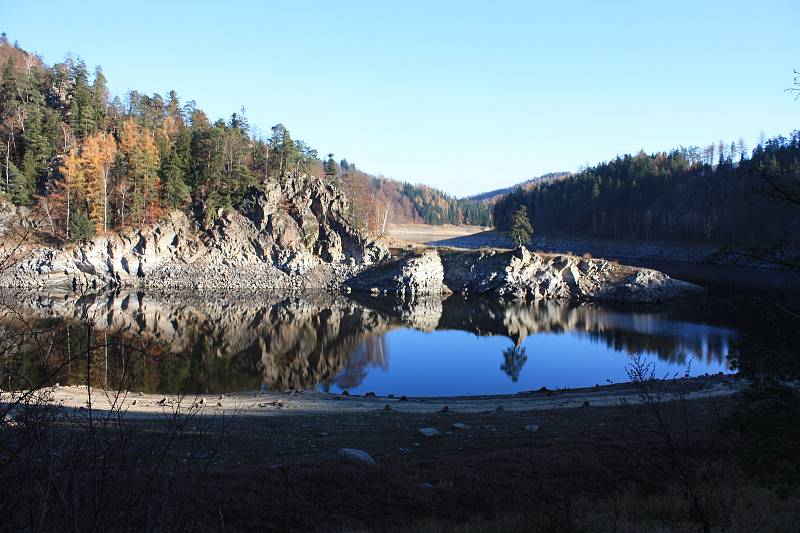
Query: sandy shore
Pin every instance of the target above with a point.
(140, 405)
(423, 233)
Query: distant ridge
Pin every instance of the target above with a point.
(491, 197)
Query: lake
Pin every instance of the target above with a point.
(459, 346)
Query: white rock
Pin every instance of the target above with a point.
(429, 432)
(355, 456)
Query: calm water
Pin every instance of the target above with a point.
(459, 346)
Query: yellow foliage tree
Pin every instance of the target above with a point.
(141, 170)
(73, 188)
(98, 155)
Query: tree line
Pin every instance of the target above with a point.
(721, 193)
(377, 200)
(89, 163)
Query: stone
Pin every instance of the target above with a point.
(355, 456)
(411, 276)
(461, 426)
(429, 432)
(533, 428)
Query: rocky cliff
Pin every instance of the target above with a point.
(293, 235)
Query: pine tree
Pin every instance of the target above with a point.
(81, 227)
(175, 191)
(521, 228)
(330, 167)
(81, 113)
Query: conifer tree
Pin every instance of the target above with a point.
(330, 167)
(521, 228)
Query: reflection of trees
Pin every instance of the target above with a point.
(209, 346)
(369, 353)
(227, 343)
(514, 359)
(673, 331)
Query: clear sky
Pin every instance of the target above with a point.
(466, 96)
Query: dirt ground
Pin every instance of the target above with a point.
(271, 404)
(424, 233)
(575, 460)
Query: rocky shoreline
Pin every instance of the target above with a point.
(296, 236)
(145, 405)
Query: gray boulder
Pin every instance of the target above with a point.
(355, 456)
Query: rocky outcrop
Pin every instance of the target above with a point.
(293, 235)
(515, 275)
(522, 275)
(642, 286)
(406, 278)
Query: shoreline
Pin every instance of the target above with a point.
(138, 405)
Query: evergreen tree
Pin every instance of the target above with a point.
(81, 113)
(330, 167)
(81, 227)
(514, 359)
(521, 228)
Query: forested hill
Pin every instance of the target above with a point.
(87, 161)
(720, 194)
(377, 199)
(495, 195)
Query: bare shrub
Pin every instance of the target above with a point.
(92, 468)
(692, 463)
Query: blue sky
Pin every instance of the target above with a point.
(466, 96)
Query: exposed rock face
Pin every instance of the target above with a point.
(522, 275)
(643, 286)
(405, 278)
(292, 235)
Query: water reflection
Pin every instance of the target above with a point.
(193, 344)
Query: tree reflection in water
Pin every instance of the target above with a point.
(514, 358)
(228, 343)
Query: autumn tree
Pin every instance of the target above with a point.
(98, 154)
(141, 184)
(72, 189)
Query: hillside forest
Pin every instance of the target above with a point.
(722, 193)
(87, 162)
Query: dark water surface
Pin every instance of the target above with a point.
(459, 346)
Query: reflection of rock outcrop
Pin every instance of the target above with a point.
(295, 343)
(302, 342)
